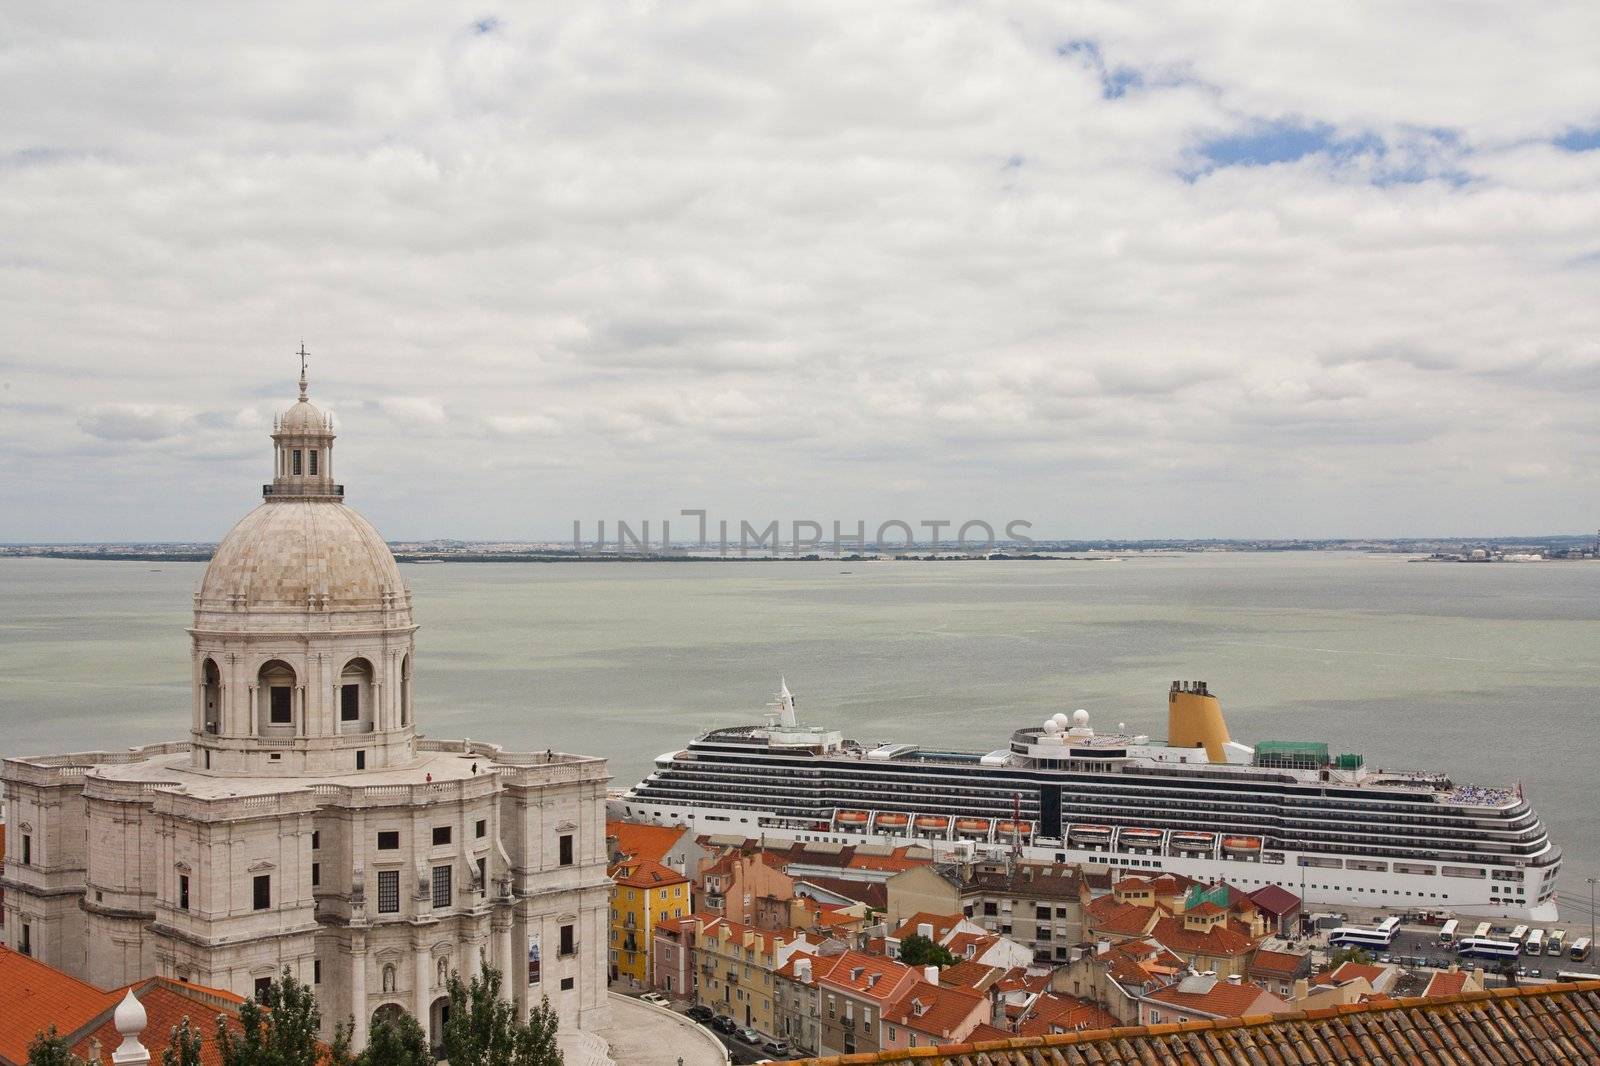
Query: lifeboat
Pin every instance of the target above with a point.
(1091, 832)
(973, 825)
(1193, 840)
(1007, 829)
(892, 821)
(1141, 838)
(936, 822)
(1252, 844)
(852, 817)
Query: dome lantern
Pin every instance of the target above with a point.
(302, 442)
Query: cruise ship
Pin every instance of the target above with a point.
(1327, 827)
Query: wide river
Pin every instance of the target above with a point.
(1490, 672)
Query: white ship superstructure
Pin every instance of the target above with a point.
(1326, 827)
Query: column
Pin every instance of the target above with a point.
(358, 990)
(424, 1001)
(513, 969)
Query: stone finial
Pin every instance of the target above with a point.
(130, 1020)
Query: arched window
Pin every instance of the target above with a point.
(405, 690)
(211, 696)
(275, 685)
(388, 978)
(356, 697)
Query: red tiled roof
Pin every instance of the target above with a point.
(944, 1010)
(1222, 1000)
(1056, 1013)
(646, 873)
(1275, 900)
(644, 841)
(1445, 984)
(941, 925)
(874, 894)
(34, 997)
(166, 1003)
(1219, 941)
(854, 972)
(969, 974)
(1557, 1023)
(1352, 971)
(1284, 964)
(983, 1031)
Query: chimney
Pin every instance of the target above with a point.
(130, 1020)
(1235, 979)
(1477, 976)
(930, 974)
(1302, 989)
(925, 930)
(802, 970)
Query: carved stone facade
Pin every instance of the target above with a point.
(303, 824)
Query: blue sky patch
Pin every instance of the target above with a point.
(1579, 140)
(1114, 81)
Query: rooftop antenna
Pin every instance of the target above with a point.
(303, 354)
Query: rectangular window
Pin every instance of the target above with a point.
(25, 945)
(441, 835)
(311, 462)
(349, 703)
(566, 849)
(566, 984)
(27, 850)
(361, 760)
(183, 891)
(316, 874)
(281, 697)
(263, 891)
(481, 828)
(441, 886)
(263, 988)
(388, 891)
(295, 463)
(569, 940)
(316, 840)
(389, 840)
(316, 964)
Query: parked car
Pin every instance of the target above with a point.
(777, 1049)
(724, 1024)
(748, 1035)
(655, 997)
(701, 1014)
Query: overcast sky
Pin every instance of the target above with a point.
(1117, 270)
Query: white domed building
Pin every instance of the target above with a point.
(303, 823)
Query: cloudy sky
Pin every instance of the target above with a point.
(1119, 270)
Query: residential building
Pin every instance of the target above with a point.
(734, 965)
(855, 989)
(928, 888)
(796, 1009)
(673, 846)
(928, 1015)
(1039, 905)
(1277, 971)
(643, 893)
(1204, 997)
(731, 884)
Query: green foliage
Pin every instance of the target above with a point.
(282, 1030)
(1343, 955)
(399, 1041)
(49, 1049)
(916, 950)
(483, 1029)
(183, 1046)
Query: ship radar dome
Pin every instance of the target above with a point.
(1080, 718)
(1052, 726)
(1060, 719)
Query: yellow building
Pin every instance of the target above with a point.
(643, 893)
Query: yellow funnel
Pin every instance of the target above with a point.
(1194, 720)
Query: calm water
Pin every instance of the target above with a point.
(1489, 672)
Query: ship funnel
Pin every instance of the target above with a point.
(1194, 720)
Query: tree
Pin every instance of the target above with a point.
(49, 1049)
(281, 1030)
(183, 1047)
(1350, 954)
(483, 1029)
(396, 1041)
(918, 950)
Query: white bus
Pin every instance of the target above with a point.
(1519, 934)
(1447, 934)
(1534, 945)
(1483, 930)
(1481, 947)
(1580, 949)
(1556, 943)
(1349, 936)
(1577, 975)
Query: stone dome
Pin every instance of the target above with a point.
(304, 417)
(302, 553)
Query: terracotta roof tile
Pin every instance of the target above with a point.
(644, 841)
(944, 1010)
(1554, 1024)
(646, 873)
(34, 996)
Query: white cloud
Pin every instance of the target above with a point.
(790, 254)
